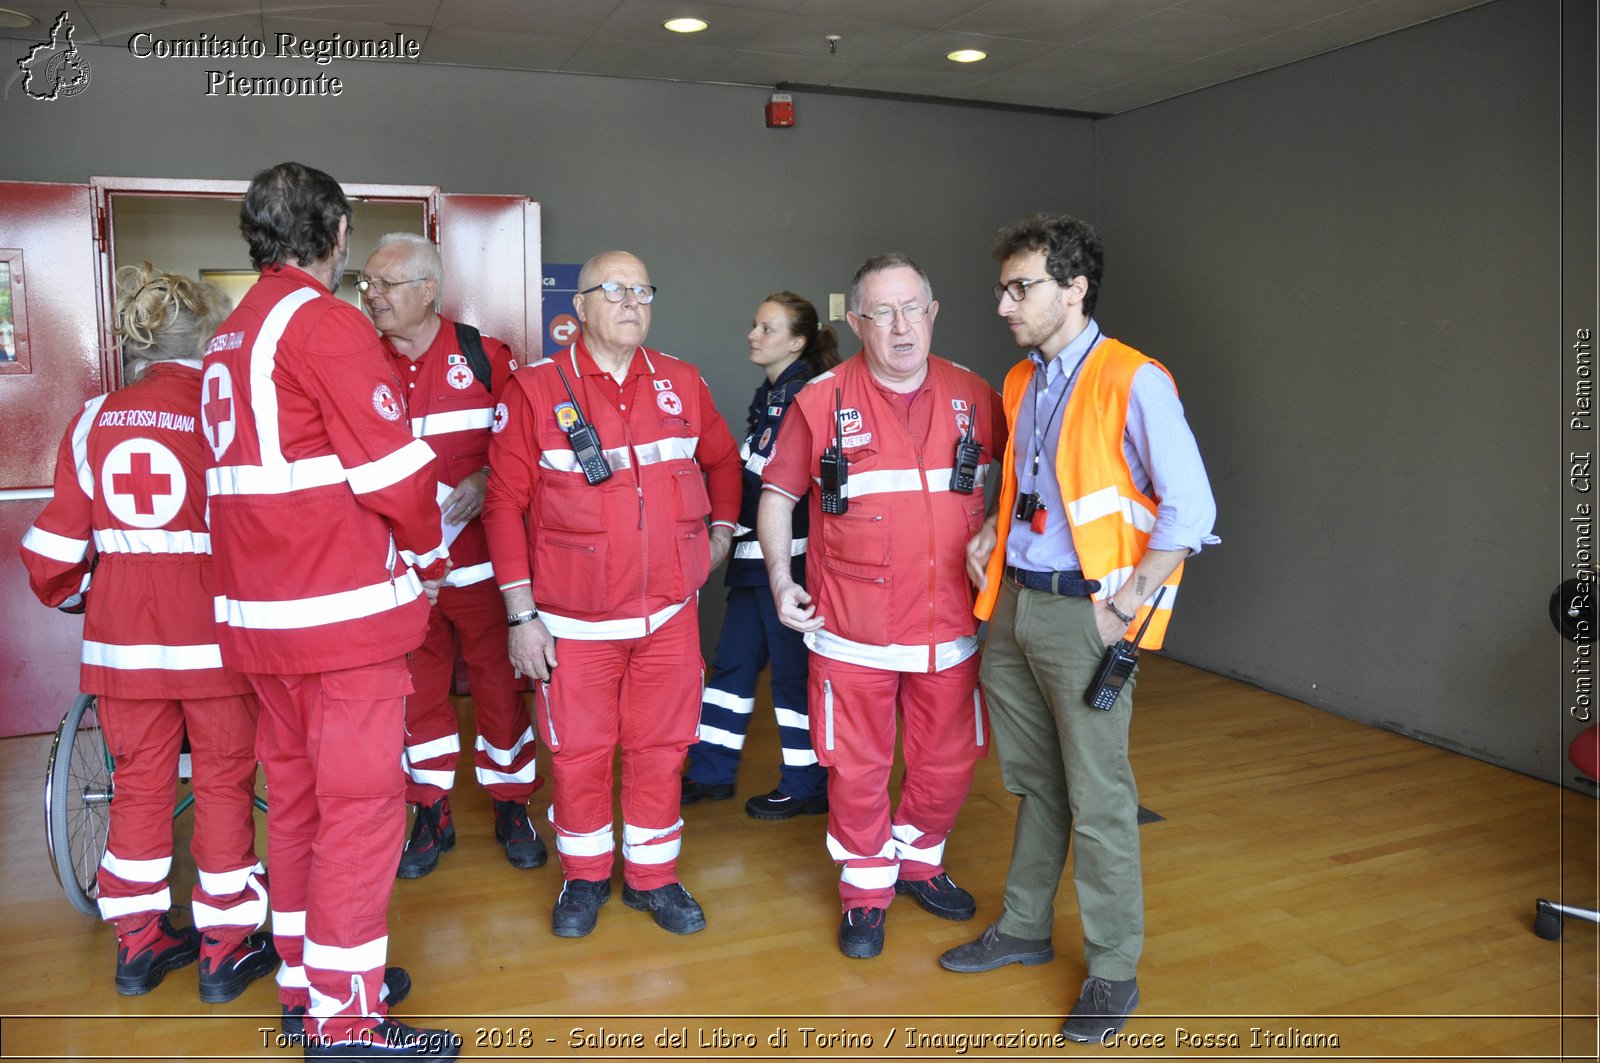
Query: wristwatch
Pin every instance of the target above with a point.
(527, 616)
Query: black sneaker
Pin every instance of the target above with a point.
(432, 835)
(1102, 1009)
(396, 986)
(145, 956)
(779, 805)
(224, 972)
(389, 1039)
(940, 896)
(578, 907)
(673, 908)
(994, 950)
(514, 830)
(861, 933)
(697, 791)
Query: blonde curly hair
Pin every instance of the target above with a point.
(162, 316)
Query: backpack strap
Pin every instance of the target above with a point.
(471, 342)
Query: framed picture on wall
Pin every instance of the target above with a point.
(235, 282)
(14, 356)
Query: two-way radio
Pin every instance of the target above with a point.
(835, 472)
(585, 440)
(1117, 665)
(964, 479)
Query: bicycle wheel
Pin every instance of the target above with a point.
(77, 803)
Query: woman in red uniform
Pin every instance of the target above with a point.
(130, 504)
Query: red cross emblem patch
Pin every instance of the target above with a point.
(216, 409)
(460, 377)
(383, 401)
(669, 402)
(143, 482)
(500, 413)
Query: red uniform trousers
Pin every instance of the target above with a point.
(504, 758)
(336, 823)
(145, 736)
(644, 695)
(853, 715)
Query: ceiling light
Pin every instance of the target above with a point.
(685, 25)
(16, 20)
(966, 55)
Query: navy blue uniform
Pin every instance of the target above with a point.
(752, 635)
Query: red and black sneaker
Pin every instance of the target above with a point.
(432, 835)
(390, 1039)
(226, 968)
(146, 954)
(396, 986)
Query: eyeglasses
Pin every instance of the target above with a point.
(884, 316)
(381, 286)
(615, 293)
(1018, 290)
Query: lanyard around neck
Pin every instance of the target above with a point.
(1040, 431)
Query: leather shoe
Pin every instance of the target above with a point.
(779, 805)
(674, 909)
(994, 950)
(940, 896)
(861, 933)
(578, 908)
(705, 791)
(1102, 1009)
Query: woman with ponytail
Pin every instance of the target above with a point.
(791, 346)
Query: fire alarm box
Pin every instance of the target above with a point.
(780, 111)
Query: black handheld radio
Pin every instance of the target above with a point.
(585, 441)
(835, 466)
(964, 479)
(1117, 665)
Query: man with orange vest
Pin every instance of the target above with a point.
(1103, 496)
(606, 461)
(451, 376)
(899, 442)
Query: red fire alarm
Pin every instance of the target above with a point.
(780, 111)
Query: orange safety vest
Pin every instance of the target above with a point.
(1111, 519)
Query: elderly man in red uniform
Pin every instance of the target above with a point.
(451, 374)
(596, 516)
(328, 547)
(888, 617)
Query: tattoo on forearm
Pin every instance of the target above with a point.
(1138, 586)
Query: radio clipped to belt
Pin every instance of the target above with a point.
(835, 471)
(964, 479)
(585, 441)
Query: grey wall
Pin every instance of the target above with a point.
(1352, 266)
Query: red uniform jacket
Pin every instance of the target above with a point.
(616, 559)
(323, 508)
(130, 488)
(889, 575)
(453, 413)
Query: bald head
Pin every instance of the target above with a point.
(612, 330)
(594, 270)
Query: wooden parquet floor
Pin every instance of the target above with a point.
(1316, 889)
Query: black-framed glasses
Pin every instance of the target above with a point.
(381, 286)
(1018, 290)
(615, 293)
(884, 316)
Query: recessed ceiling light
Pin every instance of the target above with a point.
(16, 20)
(966, 55)
(685, 25)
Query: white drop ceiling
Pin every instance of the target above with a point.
(1093, 56)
